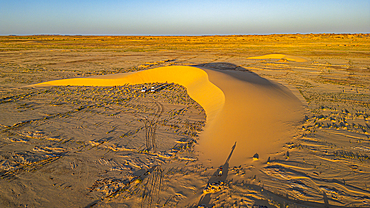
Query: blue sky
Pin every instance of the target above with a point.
(192, 17)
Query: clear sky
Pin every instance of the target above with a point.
(191, 17)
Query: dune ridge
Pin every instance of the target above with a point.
(240, 106)
(210, 97)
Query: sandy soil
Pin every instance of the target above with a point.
(303, 108)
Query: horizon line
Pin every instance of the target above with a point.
(157, 35)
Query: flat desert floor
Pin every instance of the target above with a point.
(294, 131)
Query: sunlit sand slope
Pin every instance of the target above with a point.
(210, 97)
(241, 107)
(280, 56)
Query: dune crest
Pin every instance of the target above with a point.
(280, 56)
(210, 97)
(240, 106)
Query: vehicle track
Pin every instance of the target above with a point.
(151, 126)
(152, 188)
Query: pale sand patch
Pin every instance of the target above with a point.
(280, 56)
(241, 107)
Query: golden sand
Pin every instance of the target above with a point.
(280, 56)
(194, 79)
(241, 107)
(88, 146)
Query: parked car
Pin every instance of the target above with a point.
(144, 89)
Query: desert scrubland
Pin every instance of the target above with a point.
(293, 132)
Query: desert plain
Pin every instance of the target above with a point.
(233, 121)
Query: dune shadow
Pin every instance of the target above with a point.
(222, 66)
(216, 182)
(235, 70)
(245, 75)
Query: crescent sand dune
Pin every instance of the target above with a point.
(240, 106)
(210, 97)
(280, 56)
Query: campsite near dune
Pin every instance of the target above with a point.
(232, 121)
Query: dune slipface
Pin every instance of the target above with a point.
(258, 114)
(240, 106)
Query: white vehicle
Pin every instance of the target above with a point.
(144, 89)
(152, 89)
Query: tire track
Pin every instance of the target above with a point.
(151, 127)
(152, 188)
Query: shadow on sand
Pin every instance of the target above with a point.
(235, 70)
(216, 182)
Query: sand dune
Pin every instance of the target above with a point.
(75, 146)
(241, 107)
(258, 114)
(280, 56)
(210, 97)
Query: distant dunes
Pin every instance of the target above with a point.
(280, 56)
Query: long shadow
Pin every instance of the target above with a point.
(217, 180)
(293, 202)
(326, 201)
